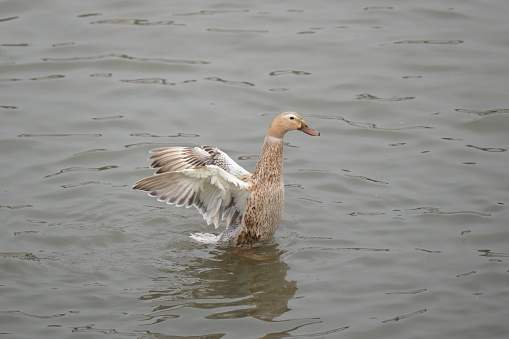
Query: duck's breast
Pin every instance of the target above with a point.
(264, 210)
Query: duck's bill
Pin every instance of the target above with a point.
(310, 131)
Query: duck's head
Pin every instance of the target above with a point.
(289, 121)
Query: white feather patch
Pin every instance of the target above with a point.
(212, 190)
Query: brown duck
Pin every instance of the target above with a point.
(208, 179)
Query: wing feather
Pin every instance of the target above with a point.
(217, 194)
(170, 159)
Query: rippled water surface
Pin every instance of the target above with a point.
(396, 221)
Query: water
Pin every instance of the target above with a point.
(396, 222)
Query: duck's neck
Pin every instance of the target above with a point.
(270, 163)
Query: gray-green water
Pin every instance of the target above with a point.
(396, 222)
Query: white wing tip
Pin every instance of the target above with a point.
(205, 238)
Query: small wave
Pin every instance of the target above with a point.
(127, 57)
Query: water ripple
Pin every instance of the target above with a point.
(75, 169)
(248, 157)
(112, 117)
(488, 149)
(434, 210)
(157, 81)
(19, 255)
(230, 82)
(483, 112)
(127, 57)
(213, 12)
(84, 184)
(186, 135)
(409, 292)
(367, 125)
(226, 30)
(88, 14)
(91, 329)
(367, 96)
(33, 315)
(312, 200)
(367, 179)
(434, 42)
(428, 251)
(15, 207)
(404, 316)
(10, 18)
(160, 144)
(91, 151)
(21, 44)
(101, 75)
(62, 44)
(58, 135)
(48, 77)
(369, 8)
(286, 334)
(489, 253)
(24, 232)
(365, 213)
(465, 274)
(289, 72)
(139, 22)
(345, 249)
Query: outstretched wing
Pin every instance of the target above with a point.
(169, 159)
(217, 194)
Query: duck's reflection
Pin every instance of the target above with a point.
(251, 281)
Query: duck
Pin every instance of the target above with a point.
(206, 178)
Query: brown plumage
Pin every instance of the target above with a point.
(208, 179)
